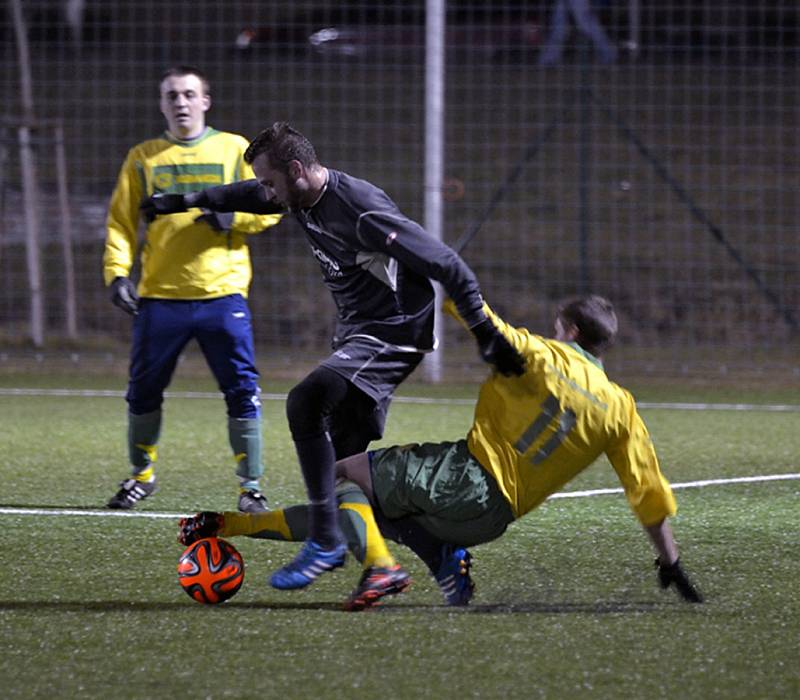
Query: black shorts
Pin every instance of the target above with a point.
(376, 369)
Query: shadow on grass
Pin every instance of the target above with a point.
(129, 606)
(596, 608)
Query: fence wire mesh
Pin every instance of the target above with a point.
(651, 157)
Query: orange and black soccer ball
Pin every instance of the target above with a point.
(211, 570)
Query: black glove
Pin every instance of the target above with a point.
(674, 575)
(123, 295)
(159, 204)
(496, 350)
(220, 221)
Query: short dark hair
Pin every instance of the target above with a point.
(595, 319)
(180, 70)
(282, 143)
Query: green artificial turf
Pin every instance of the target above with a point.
(566, 605)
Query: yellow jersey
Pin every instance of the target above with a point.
(534, 433)
(181, 258)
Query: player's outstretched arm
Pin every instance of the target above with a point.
(245, 196)
(670, 571)
(406, 241)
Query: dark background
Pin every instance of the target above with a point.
(666, 180)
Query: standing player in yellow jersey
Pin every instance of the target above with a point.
(531, 435)
(195, 275)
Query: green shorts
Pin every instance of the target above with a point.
(444, 488)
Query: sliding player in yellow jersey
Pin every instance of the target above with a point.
(531, 435)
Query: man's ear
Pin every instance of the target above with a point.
(295, 170)
(572, 332)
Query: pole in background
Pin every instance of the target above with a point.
(65, 225)
(434, 153)
(29, 180)
(632, 44)
(585, 160)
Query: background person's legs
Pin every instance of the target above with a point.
(224, 333)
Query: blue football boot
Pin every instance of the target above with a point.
(309, 564)
(453, 575)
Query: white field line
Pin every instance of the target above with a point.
(685, 485)
(677, 406)
(564, 494)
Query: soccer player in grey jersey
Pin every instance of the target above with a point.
(378, 265)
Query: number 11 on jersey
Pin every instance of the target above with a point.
(550, 410)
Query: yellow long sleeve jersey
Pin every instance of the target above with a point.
(536, 432)
(181, 258)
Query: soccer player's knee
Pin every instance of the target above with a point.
(312, 401)
(243, 403)
(348, 444)
(349, 492)
(305, 411)
(140, 404)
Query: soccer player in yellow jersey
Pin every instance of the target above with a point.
(195, 275)
(531, 435)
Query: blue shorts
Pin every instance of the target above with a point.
(223, 330)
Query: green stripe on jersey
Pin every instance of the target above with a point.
(188, 177)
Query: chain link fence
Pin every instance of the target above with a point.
(651, 157)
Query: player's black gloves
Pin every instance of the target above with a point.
(159, 204)
(220, 221)
(496, 350)
(123, 295)
(674, 575)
